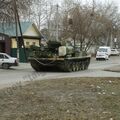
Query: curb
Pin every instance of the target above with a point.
(113, 69)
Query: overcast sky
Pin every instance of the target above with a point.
(117, 2)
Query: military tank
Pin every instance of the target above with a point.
(57, 56)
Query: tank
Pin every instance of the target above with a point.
(57, 56)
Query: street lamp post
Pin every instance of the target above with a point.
(115, 36)
(57, 26)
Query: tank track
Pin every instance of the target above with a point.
(72, 66)
(67, 65)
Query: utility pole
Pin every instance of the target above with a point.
(17, 24)
(16, 27)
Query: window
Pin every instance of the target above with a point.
(6, 57)
(102, 50)
(1, 56)
(27, 43)
(33, 43)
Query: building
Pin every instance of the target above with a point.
(8, 43)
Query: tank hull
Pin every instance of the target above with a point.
(64, 64)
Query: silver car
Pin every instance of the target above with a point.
(115, 52)
(7, 61)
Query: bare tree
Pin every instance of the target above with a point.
(90, 24)
(40, 12)
(7, 9)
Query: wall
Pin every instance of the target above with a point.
(31, 41)
(31, 31)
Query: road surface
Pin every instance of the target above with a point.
(25, 73)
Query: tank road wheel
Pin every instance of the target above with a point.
(77, 66)
(70, 66)
(73, 67)
(87, 64)
(67, 67)
(83, 65)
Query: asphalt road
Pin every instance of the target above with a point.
(25, 73)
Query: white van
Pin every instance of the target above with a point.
(103, 53)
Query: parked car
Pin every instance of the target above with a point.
(115, 52)
(103, 53)
(7, 61)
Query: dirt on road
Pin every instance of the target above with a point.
(62, 99)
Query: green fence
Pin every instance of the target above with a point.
(21, 54)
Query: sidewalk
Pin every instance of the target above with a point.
(23, 66)
(113, 69)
